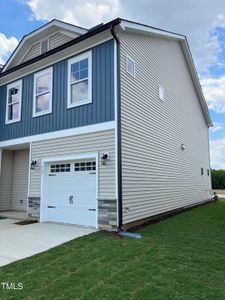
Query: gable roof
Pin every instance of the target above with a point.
(125, 25)
(39, 34)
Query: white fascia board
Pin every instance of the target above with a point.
(130, 26)
(69, 27)
(60, 25)
(59, 134)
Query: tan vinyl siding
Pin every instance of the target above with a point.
(34, 51)
(58, 39)
(6, 180)
(20, 180)
(157, 176)
(93, 142)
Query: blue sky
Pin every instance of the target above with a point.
(203, 22)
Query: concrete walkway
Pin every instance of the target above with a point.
(18, 242)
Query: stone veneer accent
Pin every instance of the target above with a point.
(107, 214)
(34, 207)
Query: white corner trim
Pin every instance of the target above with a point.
(45, 161)
(59, 134)
(9, 86)
(116, 131)
(71, 61)
(29, 177)
(0, 161)
(36, 75)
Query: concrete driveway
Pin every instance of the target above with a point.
(17, 242)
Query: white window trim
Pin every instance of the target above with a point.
(9, 86)
(133, 61)
(72, 61)
(36, 75)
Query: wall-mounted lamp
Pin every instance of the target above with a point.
(104, 158)
(33, 164)
(183, 147)
(14, 91)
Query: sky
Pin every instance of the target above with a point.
(202, 21)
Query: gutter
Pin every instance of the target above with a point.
(119, 160)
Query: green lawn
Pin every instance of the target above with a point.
(180, 258)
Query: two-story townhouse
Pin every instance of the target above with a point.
(102, 127)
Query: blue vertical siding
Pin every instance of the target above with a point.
(100, 110)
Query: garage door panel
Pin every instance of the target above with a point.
(71, 193)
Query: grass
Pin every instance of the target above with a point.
(179, 258)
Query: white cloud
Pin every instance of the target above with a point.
(196, 19)
(214, 91)
(7, 45)
(217, 149)
(218, 126)
(85, 13)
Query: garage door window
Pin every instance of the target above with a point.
(85, 166)
(60, 168)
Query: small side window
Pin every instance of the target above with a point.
(202, 171)
(130, 66)
(208, 172)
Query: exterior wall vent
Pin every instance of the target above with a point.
(44, 46)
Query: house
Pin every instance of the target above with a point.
(103, 127)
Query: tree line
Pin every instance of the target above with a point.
(218, 179)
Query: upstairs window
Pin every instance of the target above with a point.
(79, 80)
(130, 65)
(42, 102)
(13, 102)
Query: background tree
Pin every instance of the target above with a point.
(218, 179)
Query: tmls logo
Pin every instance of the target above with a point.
(12, 286)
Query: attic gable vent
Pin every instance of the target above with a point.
(44, 46)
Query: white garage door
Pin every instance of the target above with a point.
(71, 192)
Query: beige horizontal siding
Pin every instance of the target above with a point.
(58, 39)
(157, 175)
(34, 51)
(20, 179)
(6, 180)
(94, 142)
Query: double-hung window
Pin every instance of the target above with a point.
(13, 102)
(79, 80)
(42, 102)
